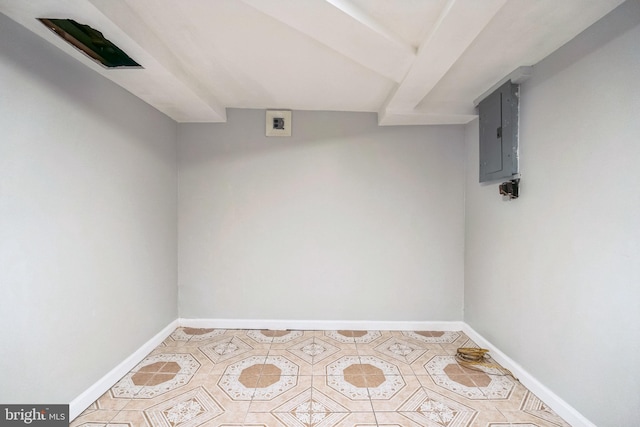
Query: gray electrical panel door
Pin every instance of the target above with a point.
(499, 134)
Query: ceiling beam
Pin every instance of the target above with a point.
(457, 27)
(352, 33)
(351, 9)
(122, 15)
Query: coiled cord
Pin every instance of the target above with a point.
(472, 358)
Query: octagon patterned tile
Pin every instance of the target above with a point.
(396, 419)
(195, 334)
(364, 378)
(267, 336)
(188, 364)
(99, 417)
(392, 401)
(487, 417)
(237, 378)
(301, 384)
(326, 385)
(401, 350)
(189, 409)
(534, 406)
(108, 402)
(151, 378)
(349, 337)
(400, 366)
(225, 349)
(436, 410)
(488, 383)
(304, 368)
(259, 378)
(433, 337)
(313, 350)
(130, 418)
(355, 419)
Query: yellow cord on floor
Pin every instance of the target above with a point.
(471, 358)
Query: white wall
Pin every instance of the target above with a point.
(553, 278)
(87, 222)
(345, 220)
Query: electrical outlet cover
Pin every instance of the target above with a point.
(271, 129)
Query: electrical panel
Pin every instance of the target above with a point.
(499, 133)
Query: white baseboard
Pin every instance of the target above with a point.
(90, 395)
(562, 408)
(323, 325)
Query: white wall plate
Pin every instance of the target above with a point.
(278, 123)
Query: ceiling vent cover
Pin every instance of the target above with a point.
(91, 42)
(278, 123)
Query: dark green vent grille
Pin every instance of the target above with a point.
(91, 42)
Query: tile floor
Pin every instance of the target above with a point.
(215, 377)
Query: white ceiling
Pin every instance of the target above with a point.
(411, 61)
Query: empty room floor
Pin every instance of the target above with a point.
(216, 377)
